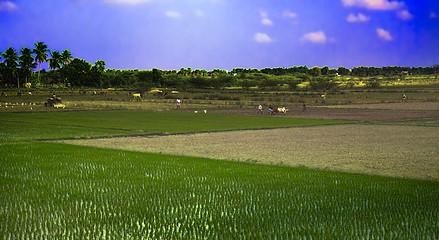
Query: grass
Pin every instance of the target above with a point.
(26, 131)
(213, 99)
(51, 125)
(58, 191)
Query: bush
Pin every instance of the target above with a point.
(372, 83)
(323, 83)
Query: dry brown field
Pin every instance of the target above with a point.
(379, 149)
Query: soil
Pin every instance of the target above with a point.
(389, 150)
(398, 151)
(362, 112)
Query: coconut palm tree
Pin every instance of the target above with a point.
(11, 59)
(66, 56)
(56, 60)
(26, 61)
(40, 54)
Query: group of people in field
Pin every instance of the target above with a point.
(272, 110)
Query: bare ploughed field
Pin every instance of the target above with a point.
(364, 112)
(389, 150)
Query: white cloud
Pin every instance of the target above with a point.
(288, 14)
(264, 14)
(384, 35)
(359, 18)
(292, 16)
(199, 13)
(404, 15)
(265, 20)
(8, 6)
(433, 15)
(374, 4)
(129, 2)
(172, 14)
(315, 37)
(262, 38)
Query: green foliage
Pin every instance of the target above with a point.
(174, 81)
(323, 83)
(66, 56)
(325, 70)
(78, 73)
(52, 77)
(26, 62)
(143, 87)
(315, 71)
(247, 83)
(222, 80)
(198, 82)
(10, 62)
(372, 83)
(343, 71)
(268, 83)
(98, 77)
(97, 73)
(55, 61)
(292, 81)
(40, 51)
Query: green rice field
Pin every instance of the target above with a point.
(59, 191)
(86, 124)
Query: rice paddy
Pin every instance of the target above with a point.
(59, 191)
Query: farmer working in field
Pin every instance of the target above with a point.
(260, 109)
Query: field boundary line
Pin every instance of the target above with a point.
(72, 125)
(192, 133)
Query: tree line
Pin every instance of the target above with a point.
(16, 70)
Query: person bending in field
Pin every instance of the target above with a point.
(260, 109)
(270, 110)
(404, 97)
(178, 102)
(304, 106)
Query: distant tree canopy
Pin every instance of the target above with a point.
(16, 69)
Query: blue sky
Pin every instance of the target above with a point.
(227, 34)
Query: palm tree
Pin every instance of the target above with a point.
(41, 54)
(66, 56)
(10, 61)
(55, 60)
(26, 61)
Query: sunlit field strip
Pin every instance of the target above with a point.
(50, 125)
(56, 191)
(25, 131)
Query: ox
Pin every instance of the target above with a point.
(136, 95)
(281, 110)
(277, 110)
